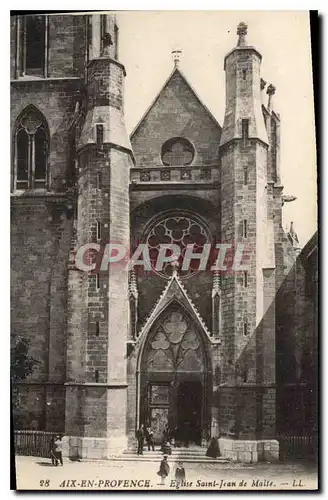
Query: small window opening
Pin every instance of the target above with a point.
(245, 327)
(100, 134)
(245, 176)
(116, 41)
(245, 131)
(98, 230)
(244, 228)
(245, 279)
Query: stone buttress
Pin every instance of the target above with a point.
(98, 301)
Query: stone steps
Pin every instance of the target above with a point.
(184, 459)
(196, 454)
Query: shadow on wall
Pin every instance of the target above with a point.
(295, 310)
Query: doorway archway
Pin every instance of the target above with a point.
(174, 377)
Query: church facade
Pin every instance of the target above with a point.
(178, 348)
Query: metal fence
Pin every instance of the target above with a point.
(302, 446)
(38, 444)
(35, 443)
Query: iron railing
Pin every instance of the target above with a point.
(34, 443)
(299, 446)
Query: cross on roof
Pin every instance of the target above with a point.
(176, 54)
(242, 32)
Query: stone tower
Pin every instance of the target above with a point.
(97, 302)
(247, 394)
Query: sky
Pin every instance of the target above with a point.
(147, 39)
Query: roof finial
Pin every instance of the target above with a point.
(242, 32)
(176, 54)
(133, 288)
(175, 266)
(216, 287)
(293, 238)
(271, 90)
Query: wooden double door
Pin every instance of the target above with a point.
(177, 406)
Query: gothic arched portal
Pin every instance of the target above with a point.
(174, 377)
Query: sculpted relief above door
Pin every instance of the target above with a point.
(174, 346)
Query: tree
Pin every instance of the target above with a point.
(21, 364)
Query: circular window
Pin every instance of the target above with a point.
(177, 151)
(181, 230)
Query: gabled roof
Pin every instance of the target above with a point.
(173, 290)
(310, 247)
(175, 71)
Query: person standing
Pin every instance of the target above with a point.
(164, 469)
(180, 475)
(140, 439)
(165, 435)
(59, 449)
(150, 438)
(187, 433)
(54, 460)
(166, 448)
(213, 450)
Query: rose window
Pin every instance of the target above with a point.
(177, 151)
(180, 231)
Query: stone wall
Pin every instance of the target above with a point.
(66, 52)
(297, 344)
(40, 243)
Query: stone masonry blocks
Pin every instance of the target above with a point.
(249, 450)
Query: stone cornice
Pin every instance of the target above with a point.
(242, 49)
(235, 139)
(198, 166)
(110, 60)
(34, 197)
(113, 385)
(109, 146)
(34, 80)
(179, 185)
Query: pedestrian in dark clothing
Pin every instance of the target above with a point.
(150, 438)
(166, 448)
(54, 460)
(165, 435)
(59, 450)
(140, 439)
(180, 475)
(170, 434)
(174, 435)
(213, 450)
(164, 469)
(186, 433)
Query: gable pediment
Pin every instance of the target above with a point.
(174, 292)
(177, 111)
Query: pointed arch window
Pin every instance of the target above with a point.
(31, 148)
(32, 37)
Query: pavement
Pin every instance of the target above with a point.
(35, 473)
